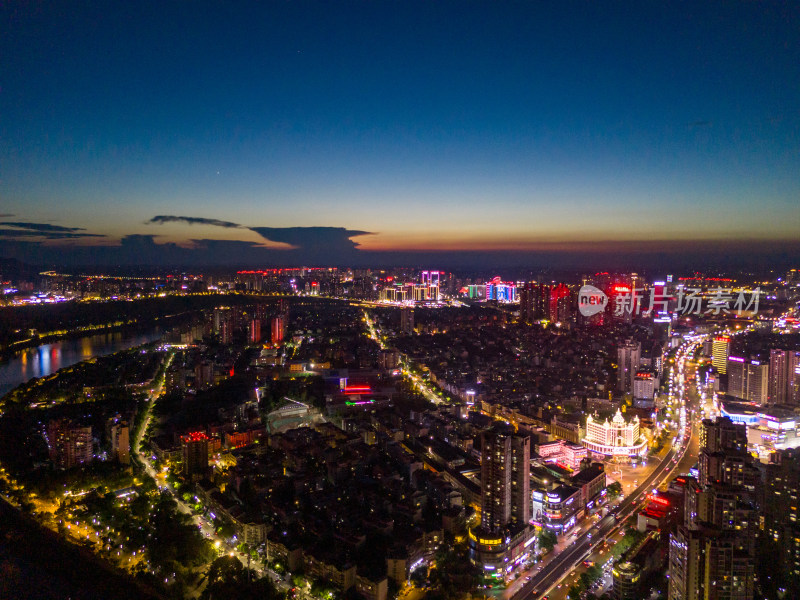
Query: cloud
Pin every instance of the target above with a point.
(160, 219)
(698, 124)
(312, 238)
(42, 227)
(45, 230)
(50, 235)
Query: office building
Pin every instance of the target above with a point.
(645, 384)
(748, 380)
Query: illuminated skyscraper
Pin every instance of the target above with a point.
(504, 538)
(748, 380)
(720, 353)
(505, 480)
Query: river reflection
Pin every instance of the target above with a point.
(49, 358)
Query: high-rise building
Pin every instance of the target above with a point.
(723, 435)
(561, 304)
(221, 314)
(225, 330)
(277, 330)
(254, 331)
(504, 536)
(784, 377)
(748, 380)
(194, 447)
(720, 353)
(645, 384)
(712, 554)
(430, 285)
(629, 358)
(782, 509)
(69, 443)
(542, 301)
(505, 480)
(407, 320)
(120, 442)
(631, 570)
(529, 302)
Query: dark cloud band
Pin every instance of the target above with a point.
(45, 227)
(160, 219)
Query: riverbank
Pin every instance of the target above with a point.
(36, 562)
(8, 353)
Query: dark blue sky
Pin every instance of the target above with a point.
(431, 125)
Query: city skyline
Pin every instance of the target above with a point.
(390, 134)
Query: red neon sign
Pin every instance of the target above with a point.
(658, 500)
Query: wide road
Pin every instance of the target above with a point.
(418, 382)
(568, 559)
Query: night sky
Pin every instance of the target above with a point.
(385, 131)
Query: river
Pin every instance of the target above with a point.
(49, 358)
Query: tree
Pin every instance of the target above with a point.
(228, 579)
(419, 577)
(575, 592)
(614, 489)
(547, 540)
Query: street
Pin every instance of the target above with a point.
(560, 568)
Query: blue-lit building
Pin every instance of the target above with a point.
(496, 289)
